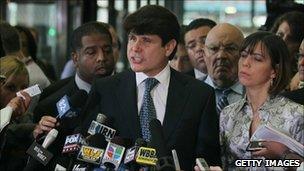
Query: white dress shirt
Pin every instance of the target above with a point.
(159, 93)
(199, 75)
(82, 85)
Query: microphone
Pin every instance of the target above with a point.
(130, 156)
(165, 161)
(93, 153)
(50, 138)
(69, 108)
(71, 147)
(146, 156)
(94, 127)
(72, 143)
(113, 155)
(39, 153)
(101, 126)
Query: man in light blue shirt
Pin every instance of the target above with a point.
(222, 55)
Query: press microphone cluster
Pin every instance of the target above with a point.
(98, 151)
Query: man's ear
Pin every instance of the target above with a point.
(169, 47)
(75, 58)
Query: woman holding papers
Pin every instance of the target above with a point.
(263, 70)
(14, 77)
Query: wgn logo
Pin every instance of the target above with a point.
(63, 106)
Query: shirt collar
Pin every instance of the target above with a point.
(199, 75)
(236, 87)
(163, 76)
(267, 104)
(82, 85)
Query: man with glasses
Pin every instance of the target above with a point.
(221, 57)
(195, 36)
(298, 95)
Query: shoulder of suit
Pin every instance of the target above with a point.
(113, 79)
(191, 81)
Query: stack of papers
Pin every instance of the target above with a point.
(268, 133)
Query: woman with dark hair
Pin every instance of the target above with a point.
(263, 70)
(290, 27)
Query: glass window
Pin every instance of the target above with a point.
(237, 12)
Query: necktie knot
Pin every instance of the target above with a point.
(150, 83)
(223, 101)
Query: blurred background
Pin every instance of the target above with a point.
(52, 21)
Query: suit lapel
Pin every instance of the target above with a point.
(127, 98)
(177, 96)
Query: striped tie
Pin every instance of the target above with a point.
(223, 101)
(147, 111)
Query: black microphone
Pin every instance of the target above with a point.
(165, 161)
(102, 126)
(72, 146)
(68, 109)
(114, 153)
(131, 154)
(91, 155)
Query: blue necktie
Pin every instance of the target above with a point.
(223, 101)
(147, 111)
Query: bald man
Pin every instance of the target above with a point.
(222, 55)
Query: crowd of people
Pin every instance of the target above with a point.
(208, 85)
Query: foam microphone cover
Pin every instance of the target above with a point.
(157, 138)
(78, 99)
(98, 141)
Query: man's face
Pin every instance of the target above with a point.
(222, 55)
(146, 53)
(195, 42)
(181, 61)
(95, 58)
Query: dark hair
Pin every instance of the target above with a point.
(85, 30)
(278, 53)
(295, 22)
(31, 42)
(2, 53)
(154, 19)
(10, 38)
(182, 33)
(200, 22)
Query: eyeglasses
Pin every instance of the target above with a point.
(194, 44)
(231, 49)
(299, 56)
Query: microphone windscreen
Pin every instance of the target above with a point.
(98, 141)
(50, 138)
(126, 142)
(140, 142)
(101, 118)
(157, 138)
(78, 99)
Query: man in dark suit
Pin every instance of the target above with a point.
(184, 106)
(195, 36)
(93, 57)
